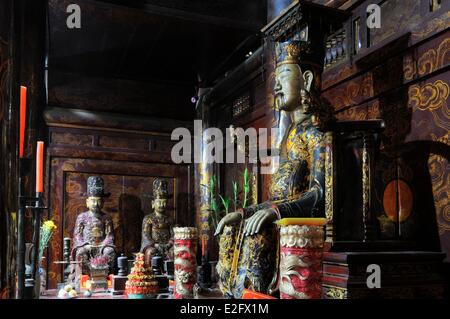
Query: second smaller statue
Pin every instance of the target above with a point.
(157, 234)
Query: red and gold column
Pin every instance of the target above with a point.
(185, 252)
(301, 244)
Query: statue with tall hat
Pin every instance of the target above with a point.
(157, 233)
(94, 232)
(249, 250)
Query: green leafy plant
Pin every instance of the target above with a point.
(225, 203)
(246, 187)
(215, 207)
(235, 194)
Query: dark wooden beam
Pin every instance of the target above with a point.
(184, 14)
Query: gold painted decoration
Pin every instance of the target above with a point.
(335, 293)
(439, 168)
(329, 191)
(185, 233)
(429, 61)
(432, 97)
(433, 26)
(302, 236)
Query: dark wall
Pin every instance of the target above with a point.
(400, 74)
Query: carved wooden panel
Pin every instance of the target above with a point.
(140, 144)
(351, 93)
(65, 138)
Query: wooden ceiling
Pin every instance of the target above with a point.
(142, 56)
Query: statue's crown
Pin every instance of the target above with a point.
(160, 189)
(96, 187)
(288, 52)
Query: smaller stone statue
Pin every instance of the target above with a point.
(157, 234)
(94, 231)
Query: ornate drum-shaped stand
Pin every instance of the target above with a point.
(301, 260)
(185, 251)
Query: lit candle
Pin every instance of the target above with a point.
(23, 116)
(40, 167)
(203, 246)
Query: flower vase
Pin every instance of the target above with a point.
(40, 281)
(301, 261)
(185, 252)
(98, 278)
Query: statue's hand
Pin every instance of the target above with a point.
(254, 224)
(230, 218)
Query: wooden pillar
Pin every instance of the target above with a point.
(367, 169)
(203, 174)
(330, 193)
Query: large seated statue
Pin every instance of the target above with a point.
(297, 187)
(157, 234)
(93, 234)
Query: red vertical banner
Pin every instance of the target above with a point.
(40, 167)
(23, 117)
(185, 253)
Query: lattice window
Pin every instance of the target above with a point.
(241, 105)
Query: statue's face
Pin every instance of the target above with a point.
(94, 204)
(159, 205)
(288, 83)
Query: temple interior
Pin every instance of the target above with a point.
(258, 149)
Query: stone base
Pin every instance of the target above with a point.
(118, 285)
(163, 282)
(404, 274)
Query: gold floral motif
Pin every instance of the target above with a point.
(283, 186)
(366, 188)
(439, 171)
(353, 90)
(329, 178)
(301, 236)
(185, 233)
(434, 59)
(205, 210)
(434, 25)
(254, 187)
(428, 62)
(409, 68)
(227, 243)
(432, 97)
(330, 80)
(293, 52)
(335, 293)
(296, 146)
